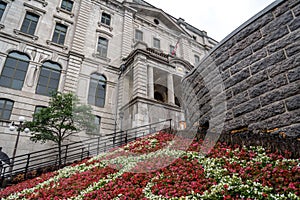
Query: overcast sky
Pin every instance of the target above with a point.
(217, 17)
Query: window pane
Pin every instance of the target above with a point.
(67, 5)
(2, 8)
(4, 81)
(14, 71)
(17, 84)
(5, 108)
(20, 75)
(48, 79)
(59, 34)
(29, 23)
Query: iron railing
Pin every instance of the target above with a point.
(27, 164)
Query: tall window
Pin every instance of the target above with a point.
(14, 70)
(102, 46)
(97, 124)
(38, 109)
(49, 78)
(197, 59)
(67, 5)
(6, 107)
(156, 43)
(29, 23)
(59, 34)
(97, 90)
(105, 19)
(2, 8)
(138, 35)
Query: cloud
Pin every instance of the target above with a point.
(217, 17)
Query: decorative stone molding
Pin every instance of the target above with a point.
(34, 8)
(63, 19)
(49, 42)
(58, 9)
(104, 32)
(97, 55)
(110, 28)
(43, 2)
(18, 32)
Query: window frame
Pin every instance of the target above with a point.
(137, 34)
(154, 43)
(67, 2)
(12, 78)
(105, 19)
(2, 10)
(52, 72)
(30, 23)
(2, 110)
(102, 49)
(94, 94)
(197, 59)
(59, 32)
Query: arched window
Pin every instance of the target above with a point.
(14, 70)
(49, 78)
(6, 107)
(97, 90)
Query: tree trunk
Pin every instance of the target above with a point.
(59, 152)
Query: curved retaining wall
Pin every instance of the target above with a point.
(251, 79)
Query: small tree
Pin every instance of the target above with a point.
(63, 117)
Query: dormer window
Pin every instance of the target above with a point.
(105, 19)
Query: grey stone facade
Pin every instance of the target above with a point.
(258, 65)
(132, 91)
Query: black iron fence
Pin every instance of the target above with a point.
(29, 165)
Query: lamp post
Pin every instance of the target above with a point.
(19, 128)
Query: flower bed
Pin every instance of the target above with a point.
(161, 167)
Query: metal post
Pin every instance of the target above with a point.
(126, 137)
(66, 153)
(27, 165)
(98, 143)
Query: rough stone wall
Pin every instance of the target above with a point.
(251, 80)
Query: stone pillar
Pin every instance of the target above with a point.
(139, 78)
(150, 82)
(171, 98)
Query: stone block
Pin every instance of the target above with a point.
(284, 42)
(269, 61)
(277, 24)
(294, 74)
(237, 78)
(261, 88)
(246, 107)
(293, 103)
(295, 24)
(272, 110)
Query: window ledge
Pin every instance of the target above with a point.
(106, 26)
(49, 42)
(43, 2)
(18, 32)
(65, 11)
(97, 55)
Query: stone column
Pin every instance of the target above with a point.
(150, 82)
(171, 98)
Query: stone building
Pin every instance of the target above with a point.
(118, 56)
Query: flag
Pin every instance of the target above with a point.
(175, 48)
